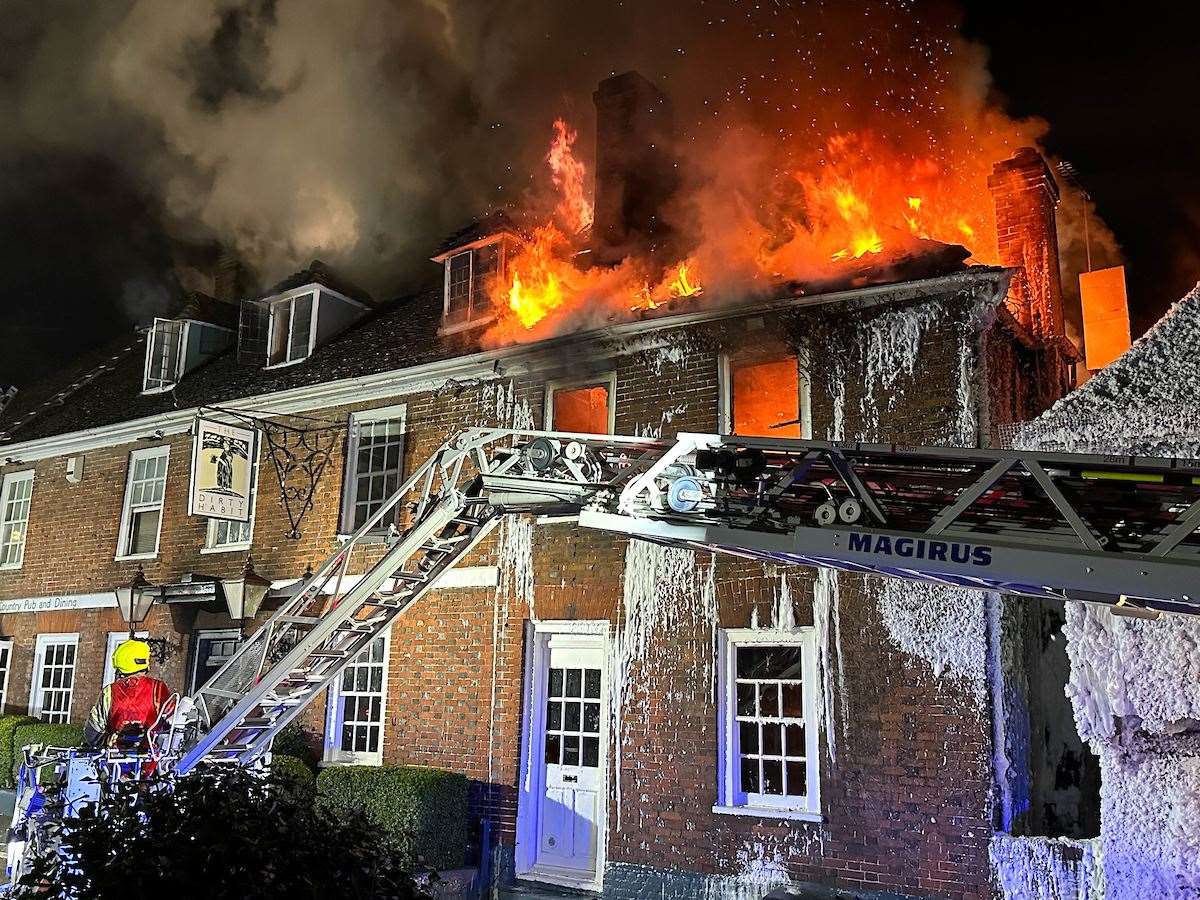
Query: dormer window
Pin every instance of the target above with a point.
(470, 275)
(176, 346)
(291, 337)
(285, 329)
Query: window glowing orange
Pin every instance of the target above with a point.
(581, 409)
(766, 394)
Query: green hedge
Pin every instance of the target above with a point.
(295, 773)
(59, 735)
(8, 727)
(294, 740)
(424, 810)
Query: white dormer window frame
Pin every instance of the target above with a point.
(317, 291)
(161, 384)
(288, 300)
(500, 241)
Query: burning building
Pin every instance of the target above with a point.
(632, 719)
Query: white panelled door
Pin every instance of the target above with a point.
(572, 807)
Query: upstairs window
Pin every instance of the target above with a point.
(470, 278)
(583, 407)
(288, 327)
(764, 397)
(141, 518)
(374, 465)
(290, 337)
(15, 494)
(163, 355)
(176, 346)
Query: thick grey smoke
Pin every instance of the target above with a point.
(363, 131)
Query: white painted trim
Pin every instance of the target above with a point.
(7, 485)
(458, 577)
(593, 634)
(728, 640)
(39, 659)
(6, 643)
(126, 511)
(350, 463)
(502, 362)
(758, 812)
(608, 379)
(58, 602)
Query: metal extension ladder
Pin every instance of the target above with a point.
(315, 634)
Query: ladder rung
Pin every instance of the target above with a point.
(217, 692)
(300, 620)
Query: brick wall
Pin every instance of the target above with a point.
(906, 801)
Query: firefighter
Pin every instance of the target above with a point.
(129, 707)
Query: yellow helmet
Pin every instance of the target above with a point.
(131, 657)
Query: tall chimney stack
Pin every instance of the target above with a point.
(635, 167)
(1025, 196)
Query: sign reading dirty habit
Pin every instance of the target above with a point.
(222, 470)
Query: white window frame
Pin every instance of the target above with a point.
(725, 365)
(350, 467)
(39, 660)
(127, 511)
(7, 487)
(607, 379)
(179, 355)
(115, 639)
(332, 754)
(472, 320)
(210, 533)
(223, 634)
(290, 297)
(5, 644)
(730, 800)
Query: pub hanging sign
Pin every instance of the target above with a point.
(223, 458)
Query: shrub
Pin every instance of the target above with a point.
(223, 834)
(425, 810)
(8, 753)
(294, 774)
(35, 732)
(294, 740)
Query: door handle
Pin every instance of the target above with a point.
(570, 779)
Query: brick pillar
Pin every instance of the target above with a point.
(635, 167)
(1025, 196)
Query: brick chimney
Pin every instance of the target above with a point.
(231, 280)
(635, 167)
(1025, 196)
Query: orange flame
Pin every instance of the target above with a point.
(568, 175)
(857, 197)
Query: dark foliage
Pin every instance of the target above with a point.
(228, 836)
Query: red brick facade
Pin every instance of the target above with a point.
(906, 802)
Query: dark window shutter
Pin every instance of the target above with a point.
(252, 334)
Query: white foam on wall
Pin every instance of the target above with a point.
(945, 627)
(666, 590)
(1129, 674)
(1025, 868)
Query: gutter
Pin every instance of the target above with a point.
(488, 364)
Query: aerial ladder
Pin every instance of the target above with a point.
(1115, 530)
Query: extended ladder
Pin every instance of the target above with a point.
(1116, 530)
(315, 634)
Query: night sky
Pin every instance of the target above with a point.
(84, 251)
